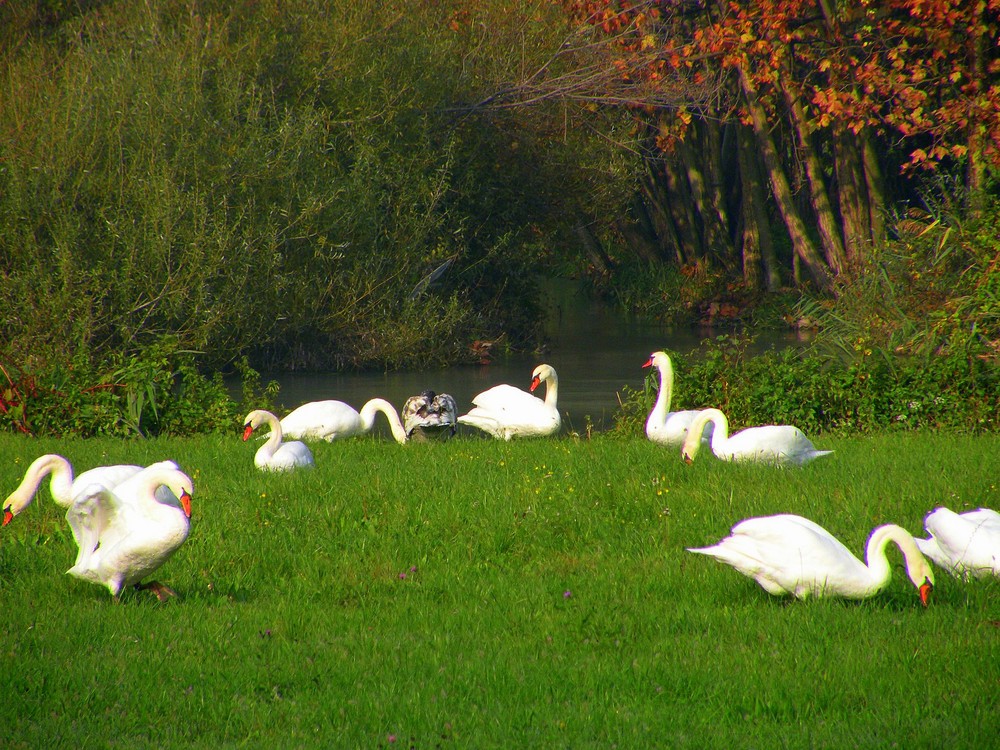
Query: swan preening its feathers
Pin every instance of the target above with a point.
(964, 544)
(126, 533)
(506, 412)
(126, 520)
(665, 426)
(332, 420)
(789, 554)
(429, 415)
(275, 455)
(776, 444)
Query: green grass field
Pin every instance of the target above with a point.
(481, 594)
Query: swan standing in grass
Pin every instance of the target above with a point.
(965, 544)
(126, 533)
(665, 426)
(506, 412)
(789, 554)
(275, 455)
(776, 443)
(332, 420)
(429, 415)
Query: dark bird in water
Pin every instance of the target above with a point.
(429, 415)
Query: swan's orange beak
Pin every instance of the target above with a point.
(687, 458)
(247, 429)
(186, 504)
(649, 363)
(925, 591)
(7, 516)
(534, 383)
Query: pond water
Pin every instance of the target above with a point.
(594, 349)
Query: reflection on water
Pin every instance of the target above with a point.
(594, 349)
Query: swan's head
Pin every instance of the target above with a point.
(922, 575)
(181, 485)
(659, 360)
(541, 374)
(254, 420)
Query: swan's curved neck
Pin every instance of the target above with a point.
(274, 439)
(878, 563)
(60, 484)
(551, 390)
(663, 398)
(720, 433)
(376, 405)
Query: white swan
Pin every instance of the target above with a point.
(62, 485)
(128, 532)
(505, 411)
(332, 420)
(789, 554)
(776, 443)
(429, 415)
(965, 544)
(665, 426)
(275, 455)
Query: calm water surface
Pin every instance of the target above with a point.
(595, 351)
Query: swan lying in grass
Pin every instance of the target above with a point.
(789, 554)
(126, 533)
(429, 415)
(775, 444)
(665, 426)
(274, 455)
(506, 412)
(964, 544)
(333, 420)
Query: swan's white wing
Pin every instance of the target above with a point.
(326, 420)
(780, 443)
(95, 517)
(791, 554)
(503, 398)
(963, 544)
(289, 456)
(106, 476)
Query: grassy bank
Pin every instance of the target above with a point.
(483, 594)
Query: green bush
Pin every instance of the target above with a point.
(270, 180)
(160, 394)
(823, 395)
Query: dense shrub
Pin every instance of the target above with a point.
(158, 395)
(268, 179)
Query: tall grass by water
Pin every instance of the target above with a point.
(486, 594)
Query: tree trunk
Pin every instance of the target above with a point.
(975, 174)
(639, 232)
(706, 194)
(682, 211)
(592, 246)
(876, 189)
(654, 197)
(804, 248)
(829, 231)
(758, 242)
(853, 194)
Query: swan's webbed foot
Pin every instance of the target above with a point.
(162, 591)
